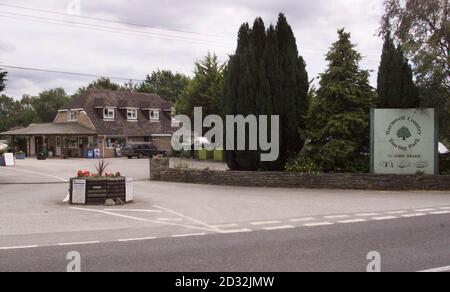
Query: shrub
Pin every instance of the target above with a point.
(302, 164)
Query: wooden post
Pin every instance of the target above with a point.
(13, 145)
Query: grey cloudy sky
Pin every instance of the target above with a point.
(38, 39)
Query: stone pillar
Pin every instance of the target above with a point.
(158, 165)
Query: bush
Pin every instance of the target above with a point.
(302, 164)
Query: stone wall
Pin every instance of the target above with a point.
(82, 118)
(160, 171)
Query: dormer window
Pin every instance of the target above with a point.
(72, 116)
(109, 113)
(155, 115)
(132, 114)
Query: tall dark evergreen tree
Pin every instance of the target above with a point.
(396, 88)
(2, 80)
(266, 76)
(339, 117)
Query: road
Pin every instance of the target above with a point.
(406, 245)
(182, 227)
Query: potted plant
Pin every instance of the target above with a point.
(20, 155)
(100, 187)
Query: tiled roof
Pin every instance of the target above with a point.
(94, 100)
(52, 129)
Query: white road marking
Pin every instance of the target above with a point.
(279, 227)
(353, 221)
(440, 212)
(414, 215)
(137, 239)
(133, 210)
(367, 214)
(384, 218)
(7, 174)
(265, 223)
(139, 219)
(211, 228)
(235, 231)
(226, 226)
(424, 210)
(444, 208)
(18, 247)
(188, 235)
(78, 243)
(170, 219)
(318, 224)
(396, 212)
(437, 270)
(39, 173)
(302, 219)
(336, 217)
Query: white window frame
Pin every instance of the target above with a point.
(155, 115)
(72, 116)
(107, 113)
(132, 114)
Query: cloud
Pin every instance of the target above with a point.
(135, 51)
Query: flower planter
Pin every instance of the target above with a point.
(95, 191)
(20, 156)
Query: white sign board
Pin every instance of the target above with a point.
(79, 191)
(404, 141)
(9, 159)
(129, 195)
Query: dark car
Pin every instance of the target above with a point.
(140, 150)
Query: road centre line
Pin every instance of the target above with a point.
(440, 212)
(18, 247)
(141, 219)
(384, 218)
(336, 216)
(318, 224)
(396, 212)
(437, 270)
(279, 227)
(78, 243)
(235, 231)
(302, 219)
(188, 235)
(353, 221)
(424, 210)
(226, 226)
(137, 239)
(367, 214)
(414, 215)
(258, 223)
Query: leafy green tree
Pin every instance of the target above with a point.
(205, 88)
(101, 83)
(396, 88)
(47, 104)
(423, 30)
(338, 134)
(8, 108)
(266, 76)
(166, 84)
(2, 80)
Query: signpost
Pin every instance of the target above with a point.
(9, 159)
(404, 141)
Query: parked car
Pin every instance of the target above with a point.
(140, 150)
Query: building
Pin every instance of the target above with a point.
(100, 121)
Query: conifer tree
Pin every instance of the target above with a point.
(2, 80)
(396, 88)
(339, 117)
(266, 76)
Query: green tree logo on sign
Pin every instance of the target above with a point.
(404, 133)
